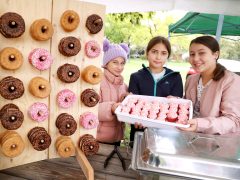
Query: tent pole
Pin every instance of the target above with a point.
(219, 27)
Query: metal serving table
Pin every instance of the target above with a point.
(184, 154)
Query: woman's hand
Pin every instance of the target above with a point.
(138, 125)
(193, 126)
(114, 107)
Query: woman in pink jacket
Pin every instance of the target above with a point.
(214, 91)
(112, 91)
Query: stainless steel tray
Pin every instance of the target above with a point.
(188, 155)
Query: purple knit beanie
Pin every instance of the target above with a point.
(112, 51)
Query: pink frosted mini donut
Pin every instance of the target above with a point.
(88, 120)
(66, 98)
(40, 59)
(92, 49)
(161, 116)
(38, 111)
(125, 109)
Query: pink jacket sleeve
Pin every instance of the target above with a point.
(105, 111)
(229, 120)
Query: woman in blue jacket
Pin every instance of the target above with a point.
(155, 80)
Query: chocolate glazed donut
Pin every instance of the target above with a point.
(39, 138)
(12, 25)
(94, 23)
(11, 88)
(89, 97)
(68, 73)
(69, 46)
(11, 117)
(66, 124)
(88, 144)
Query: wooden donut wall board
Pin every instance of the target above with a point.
(32, 10)
(81, 60)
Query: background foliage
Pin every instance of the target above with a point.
(137, 29)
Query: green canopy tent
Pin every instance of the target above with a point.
(201, 23)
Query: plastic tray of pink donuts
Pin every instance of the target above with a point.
(156, 112)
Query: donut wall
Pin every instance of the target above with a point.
(50, 70)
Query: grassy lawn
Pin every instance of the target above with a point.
(134, 65)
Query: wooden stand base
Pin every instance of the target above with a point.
(85, 165)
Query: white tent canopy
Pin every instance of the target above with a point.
(227, 7)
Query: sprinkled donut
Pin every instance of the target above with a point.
(88, 120)
(94, 23)
(41, 30)
(92, 49)
(11, 58)
(92, 74)
(38, 112)
(66, 98)
(12, 25)
(40, 59)
(69, 20)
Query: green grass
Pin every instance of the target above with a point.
(134, 65)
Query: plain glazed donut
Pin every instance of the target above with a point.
(69, 20)
(64, 146)
(12, 144)
(92, 74)
(11, 58)
(39, 87)
(41, 30)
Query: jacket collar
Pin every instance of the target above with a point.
(116, 80)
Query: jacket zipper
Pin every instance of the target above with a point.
(156, 82)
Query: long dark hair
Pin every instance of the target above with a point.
(213, 45)
(157, 40)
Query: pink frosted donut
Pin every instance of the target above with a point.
(92, 49)
(161, 116)
(38, 111)
(40, 59)
(133, 100)
(88, 120)
(66, 98)
(125, 109)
